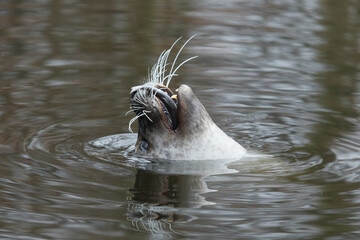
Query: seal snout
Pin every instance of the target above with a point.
(185, 89)
(185, 94)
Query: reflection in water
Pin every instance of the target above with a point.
(163, 188)
(157, 200)
(339, 81)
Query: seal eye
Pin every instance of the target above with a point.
(144, 146)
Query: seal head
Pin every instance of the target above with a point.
(178, 127)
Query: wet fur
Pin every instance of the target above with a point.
(197, 137)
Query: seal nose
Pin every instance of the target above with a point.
(185, 92)
(185, 89)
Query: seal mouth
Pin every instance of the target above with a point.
(166, 100)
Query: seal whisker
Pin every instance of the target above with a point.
(136, 105)
(141, 98)
(144, 112)
(133, 120)
(173, 73)
(158, 70)
(136, 222)
(136, 108)
(161, 64)
(152, 95)
(130, 111)
(139, 102)
(165, 58)
(135, 88)
(176, 57)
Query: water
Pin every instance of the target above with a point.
(280, 77)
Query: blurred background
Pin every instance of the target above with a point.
(280, 77)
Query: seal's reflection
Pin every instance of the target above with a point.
(159, 195)
(156, 198)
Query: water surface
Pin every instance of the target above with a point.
(280, 77)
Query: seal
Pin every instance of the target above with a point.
(176, 127)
